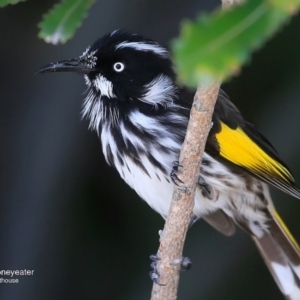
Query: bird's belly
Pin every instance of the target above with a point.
(154, 185)
(156, 188)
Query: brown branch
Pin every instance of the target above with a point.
(173, 235)
(180, 213)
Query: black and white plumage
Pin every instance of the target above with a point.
(140, 114)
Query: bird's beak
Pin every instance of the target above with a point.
(71, 65)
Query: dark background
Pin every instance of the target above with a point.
(69, 217)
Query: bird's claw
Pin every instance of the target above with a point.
(173, 175)
(154, 273)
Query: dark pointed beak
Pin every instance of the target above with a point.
(71, 65)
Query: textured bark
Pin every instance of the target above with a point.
(174, 233)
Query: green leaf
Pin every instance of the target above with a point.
(60, 23)
(214, 47)
(6, 2)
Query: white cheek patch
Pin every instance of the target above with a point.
(104, 86)
(160, 91)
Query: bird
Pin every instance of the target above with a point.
(140, 111)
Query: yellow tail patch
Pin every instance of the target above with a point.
(237, 147)
(286, 230)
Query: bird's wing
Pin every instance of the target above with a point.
(238, 142)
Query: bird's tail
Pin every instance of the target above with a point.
(282, 256)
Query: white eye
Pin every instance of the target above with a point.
(119, 67)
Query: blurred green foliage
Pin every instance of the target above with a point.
(6, 2)
(61, 22)
(211, 48)
(214, 47)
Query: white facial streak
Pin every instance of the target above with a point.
(145, 47)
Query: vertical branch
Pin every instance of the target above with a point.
(181, 210)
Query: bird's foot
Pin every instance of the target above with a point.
(174, 177)
(154, 273)
(185, 265)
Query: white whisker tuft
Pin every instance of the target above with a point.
(89, 58)
(104, 86)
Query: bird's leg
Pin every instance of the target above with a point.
(207, 190)
(185, 265)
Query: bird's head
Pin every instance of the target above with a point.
(124, 72)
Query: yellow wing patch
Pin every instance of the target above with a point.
(237, 147)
